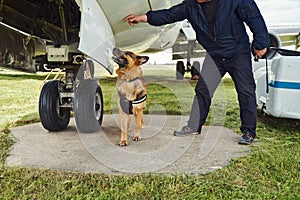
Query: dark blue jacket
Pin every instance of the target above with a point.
(230, 36)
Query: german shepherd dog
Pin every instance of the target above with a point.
(132, 91)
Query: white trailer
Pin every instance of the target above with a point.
(278, 85)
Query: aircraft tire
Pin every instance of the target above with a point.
(195, 68)
(180, 70)
(53, 118)
(88, 107)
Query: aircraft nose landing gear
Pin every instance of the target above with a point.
(194, 69)
(83, 95)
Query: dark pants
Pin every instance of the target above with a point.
(240, 69)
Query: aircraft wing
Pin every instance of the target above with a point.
(27, 25)
(57, 21)
(96, 25)
(288, 34)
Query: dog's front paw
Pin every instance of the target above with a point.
(136, 138)
(123, 143)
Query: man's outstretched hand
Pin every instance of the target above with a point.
(133, 19)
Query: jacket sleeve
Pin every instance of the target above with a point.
(250, 14)
(167, 16)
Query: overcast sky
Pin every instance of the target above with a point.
(280, 11)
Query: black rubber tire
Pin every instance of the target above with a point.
(88, 107)
(180, 70)
(53, 117)
(195, 68)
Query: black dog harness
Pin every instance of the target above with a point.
(127, 105)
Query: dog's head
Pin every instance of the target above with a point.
(128, 59)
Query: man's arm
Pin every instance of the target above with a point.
(159, 17)
(250, 14)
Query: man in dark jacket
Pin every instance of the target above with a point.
(220, 29)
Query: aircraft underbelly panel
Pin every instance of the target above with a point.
(142, 36)
(96, 36)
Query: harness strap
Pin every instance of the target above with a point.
(140, 100)
(126, 105)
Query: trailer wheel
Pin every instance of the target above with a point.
(53, 117)
(88, 108)
(180, 70)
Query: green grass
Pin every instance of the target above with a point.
(270, 171)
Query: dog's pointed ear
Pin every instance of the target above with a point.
(143, 59)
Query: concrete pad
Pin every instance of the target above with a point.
(158, 151)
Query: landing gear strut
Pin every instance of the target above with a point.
(77, 91)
